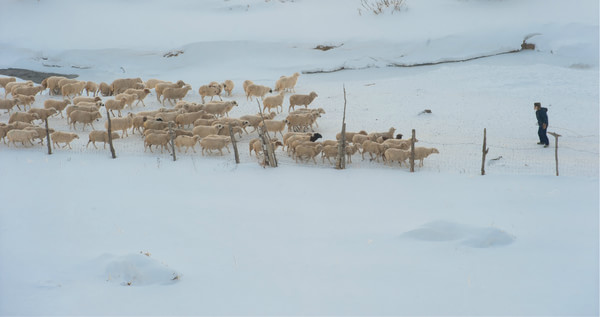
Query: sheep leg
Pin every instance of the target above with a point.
(220, 98)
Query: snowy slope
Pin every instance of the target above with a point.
(81, 234)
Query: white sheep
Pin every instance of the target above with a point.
(6, 80)
(396, 155)
(215, 142)
(204, 122)
(175, 93)
(301, 122)
(187, 142)
(286, 83)
(87, 108)
(255, 120)
(246, 84)
(27, 91)
(8, 104)
(228, 86)
(41, 132)
(157, 139)
(79, 99)
(92, 87)
(351, 149)
(162, 86)
(100, 136)
(151, 83)
(256, 146)
(69, 90)
(209, 91)
(63, 137)
(271, 102)
(373, 136)
(257, 91)
(24, 100)
(359, 138)
(120, 85)
(274, 126)
(155, 124)
(203, 131)
(185, 119)
(23, 117)
(12, 85)
(373, 147)
(307, 151)
(121, 124)
(84, 117)
(423, 152)
(398, 144)
(52, 84)
(302, 100)
(112, 104)
(328, 152)
(220, 108)
(105, 89)
(43, 114)
(59, 105)
(23, 136)
(140, 93)
(129, 98)
(168, 116)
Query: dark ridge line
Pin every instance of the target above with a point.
(309, 72)
(32, 75)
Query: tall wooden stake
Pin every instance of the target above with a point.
(268, 152)
(485, 151)
(234, 144)
(172, 135)
(556, 136)
(341, 159)
(412, 151)
(48, 137)
(110, 140)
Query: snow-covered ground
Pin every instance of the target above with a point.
(83, 234)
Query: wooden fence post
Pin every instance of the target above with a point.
(485, 151)
(268, 152)
(110, 140)
(341, 159)
(234, 144)
(172, 136)
(48, 137)
(412, 152)
(556, 135)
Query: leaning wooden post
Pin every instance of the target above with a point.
(268, 152)
(485, 152)
(172, 136)
(234, 144)
(110, 140)
(48, 137)
(556, 135)
(341, 159)
(412, 151)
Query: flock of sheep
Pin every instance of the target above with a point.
(207, 123)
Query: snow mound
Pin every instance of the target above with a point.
(137, 270)
(476, 237)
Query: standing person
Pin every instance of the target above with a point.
(542, 118)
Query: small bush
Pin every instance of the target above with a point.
(381, 6)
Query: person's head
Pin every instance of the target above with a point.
(537, 106)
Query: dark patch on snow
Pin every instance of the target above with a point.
(32, 75)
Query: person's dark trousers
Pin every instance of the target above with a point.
(543, 136)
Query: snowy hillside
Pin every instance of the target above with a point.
(82, 234)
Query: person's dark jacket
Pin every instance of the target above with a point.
(541, 116)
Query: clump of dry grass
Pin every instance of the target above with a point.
(381, 6)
